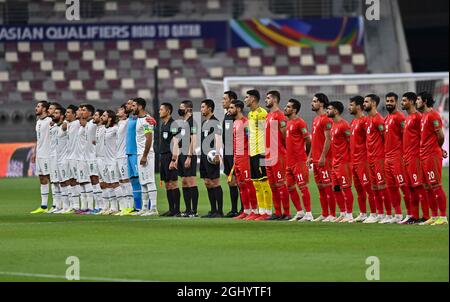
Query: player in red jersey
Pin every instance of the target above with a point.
(375, 155)
(276, 155)
(411, 150)
(341, 172)
(394, 165)
(358, 152)
(320, 156)
(298, 145)
(242, 161)
(431, 153)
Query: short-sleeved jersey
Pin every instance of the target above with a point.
(131, 147)
(340, 142)
(110, 142)
(122, 127)
(210, 128)
(411, 136)
(142, 128)
(274, 138)
(62, 151)
(431, 122)
(89, 133)
(72, 132)
(320, 124)
(393, 135)
(240, 135)
(100, 141)
(80, 144)
(167, 132)
(186, 128)
(374, 138)
(227, 136)
(256, 122)
(296, 133)
(43, 137)
(358, 149)
(53, 139)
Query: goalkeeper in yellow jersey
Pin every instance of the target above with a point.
(256, 120)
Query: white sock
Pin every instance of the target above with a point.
(112, 199)
(74, 202)
(44, 195)
(64, 198)
(97, 196)
(83, 198)
(119, 196)
(127, 191)
(144, 197)
(300, 212)
(105, 199)
(262, 211)
(56, 194)
(269, 212)
(154, 198)
(89, 195)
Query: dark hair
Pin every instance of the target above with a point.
(255, 93)
(275, 94)
(188, 104)
(238, 103)
(89, 108)
(57, 105)
(44, 104)
(231, 94)
(168, 107)
(296, 105)
(62, 110)
(427, 97)
(410, 96)
(72, 107)
(374, 98)
(392, 94)
(209, 103)
(100, 111)
(322, 98)
(358, 100)
(140, 101)
(112, 115)
(338, 106)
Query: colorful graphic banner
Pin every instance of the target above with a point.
(15, 160)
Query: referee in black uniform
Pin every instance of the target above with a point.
(210, 140)
(168, 171)
(228, 158)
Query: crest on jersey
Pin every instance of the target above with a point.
(227, 126)
(183, 132)
(165, 135)
(435, 123)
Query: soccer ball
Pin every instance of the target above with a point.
(211, 154)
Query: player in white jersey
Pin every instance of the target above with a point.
(111, 172)
(41, 155)
(122, 162)
(103, 204)
(72, 127)
(146, 158)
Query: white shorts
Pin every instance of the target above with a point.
(92, 167)
(102, 172)
(42, 166)
(54, 173)
(147, 172)
(112, 174)
(83, 171)
(122, 167)
(64, 170)
(73, 166)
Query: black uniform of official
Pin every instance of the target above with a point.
(167, 132)
(209, 127)
(185, 130)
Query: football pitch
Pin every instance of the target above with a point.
(112, 248)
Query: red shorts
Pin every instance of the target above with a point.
(361, 174)
(341, 175)
(395, 172)
(376, 171)
(413, 173)
(432, 170)
(277, 171)
(242, 169)
(297, 174)
(322, 175)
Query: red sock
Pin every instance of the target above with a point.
(323, 201)
(415, 199)
(432, 200)
(423, 201)
(276, 200)
(295, 198)
(348, 200)
(331, 202)
(244, 196)
(442, 201)
(407, 198)
(306, 197)
(394, 201)
(340, 199)
(372, 198)
(379, 197)
(252, 195)
(361, 198)
(387, 201)
(284, 198)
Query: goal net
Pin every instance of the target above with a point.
(338, 88)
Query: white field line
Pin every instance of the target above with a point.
(17, 274)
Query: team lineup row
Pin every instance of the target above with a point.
(104, 158)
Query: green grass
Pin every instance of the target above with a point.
(180, 249)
